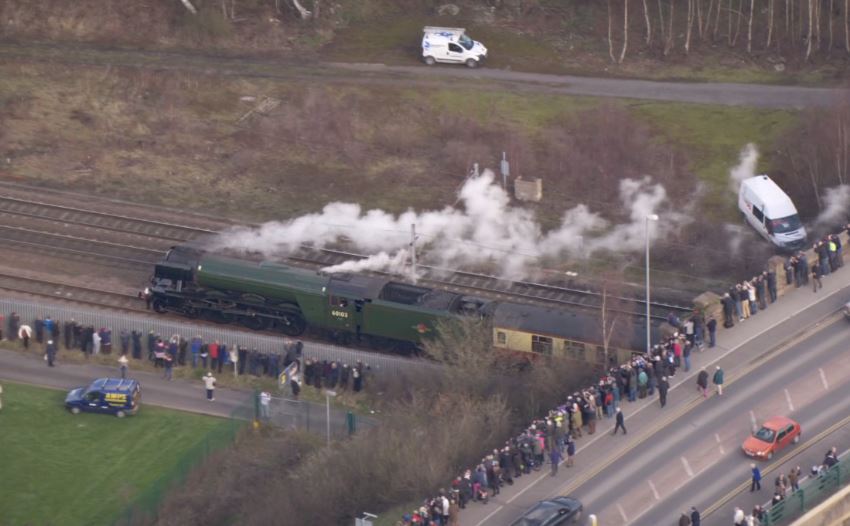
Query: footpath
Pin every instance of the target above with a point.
(798, 310)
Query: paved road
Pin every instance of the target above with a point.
(738, 349)
(767, 96)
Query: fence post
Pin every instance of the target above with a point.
(350, 420)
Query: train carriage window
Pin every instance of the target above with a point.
(541, 344)
(574, 349)
(501, 338)
(337, 301)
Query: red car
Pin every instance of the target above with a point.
(775, 434)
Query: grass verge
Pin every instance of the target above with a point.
(83, 469)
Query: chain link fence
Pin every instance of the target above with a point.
(144, 508)
(165, 327)
(316, 418)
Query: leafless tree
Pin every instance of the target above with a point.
(770, 9)
(750, 27)
(690, 25)
(611, 33)
(648, 24)
(809, 33)
(608, 321)
(625, 31)
(189, 7)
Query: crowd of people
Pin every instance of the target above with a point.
(553, 437)
(783, 485)
(167, 352)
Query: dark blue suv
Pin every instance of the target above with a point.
(558, 511)
(114, 396)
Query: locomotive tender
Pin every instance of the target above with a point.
(268, 295)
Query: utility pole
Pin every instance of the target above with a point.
(506, 171)
(413, 238)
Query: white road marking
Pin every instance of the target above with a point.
(719, 445)
(622, 513)
(753, 419)
(788, 398)
(823, 379)
(485, 519)
(654, 490)
(688, 469)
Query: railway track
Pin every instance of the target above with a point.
(170, 233)
(64, 291)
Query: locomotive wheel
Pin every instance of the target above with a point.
(292, 324)
(255, 323)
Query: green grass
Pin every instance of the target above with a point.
(67, 470)
(713, 137)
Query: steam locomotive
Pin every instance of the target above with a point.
(272, 296)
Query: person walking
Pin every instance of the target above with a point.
(718, 380)
(168, 362)
(555, 458)
(702, 382)
(663, 387)
(209, 383)
(755, 485)
(621, 422)
(50, 352)
(695, 518)
(816, 282)
(122, 365)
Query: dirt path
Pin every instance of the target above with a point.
(756, 95)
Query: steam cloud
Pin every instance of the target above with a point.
(745, 168)
(837, 204)
(485, 229)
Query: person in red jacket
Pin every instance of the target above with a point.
(213, 355)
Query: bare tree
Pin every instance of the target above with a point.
(608, 323)
(668, 44)
(809, 34)
(690, 25)
(611, 33)
(740, 13)
(717, 20)
(770, 8)
(817, 24)
(729, 40)
(847, 25)
(750, 27)
(699, 18)
(662, 28)
(648, 24)
(189, 7)
(625, 31)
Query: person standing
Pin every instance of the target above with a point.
(209, 383)
(621, 422)
(794, 478)
(816, 282)
(555, 458)
(571, 450)
(265, 400)
(122, 365)
(738, 517)
(755, 485)
(711, 325)
(718, 380)
(51, 353)
(702, 382)
(695, 518)
(168, 362)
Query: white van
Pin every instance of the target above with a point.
(450, 44)
(770, 211)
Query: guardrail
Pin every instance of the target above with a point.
(812, 492)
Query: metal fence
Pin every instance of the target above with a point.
(315, 418)
(122, 320)
(812, 492)
(144, 507)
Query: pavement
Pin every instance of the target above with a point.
(744, 352)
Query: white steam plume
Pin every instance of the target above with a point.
(837, 205)
(745, 168)
(382, 261)
(486, 229)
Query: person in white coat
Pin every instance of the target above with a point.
(209, 383)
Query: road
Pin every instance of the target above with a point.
(696, 460)
(609, 469)
(730, 94)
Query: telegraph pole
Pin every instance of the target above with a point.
(413, 252)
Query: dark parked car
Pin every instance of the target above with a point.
(552, 512)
